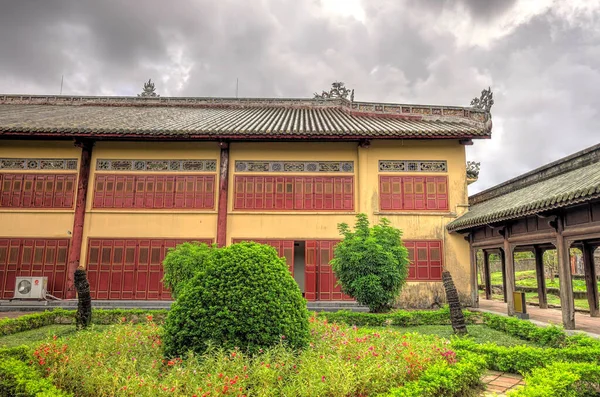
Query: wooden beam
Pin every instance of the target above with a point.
(223, 195)
(567, 302)
(474, 286)
(509, 276)
(503, 266)
(79, 215)
(538, 253)
(487, 276)
(591, 284)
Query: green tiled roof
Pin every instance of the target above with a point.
(572, 187)
(249, 118)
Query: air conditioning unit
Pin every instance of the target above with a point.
(31, 287)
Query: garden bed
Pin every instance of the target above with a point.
(361, 354)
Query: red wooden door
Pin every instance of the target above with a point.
(125, 269)
(321, 283)
(310, 270)
(33, 257)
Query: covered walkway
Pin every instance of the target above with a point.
(583, 322)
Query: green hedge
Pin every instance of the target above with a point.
(561, 380)
(550, 336)
(523, 359)
(399, 318)
(9, 326)
(443, 380)
(20, 379)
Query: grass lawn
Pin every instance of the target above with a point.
(552, 300)
(479, 333)
(36, 336)
(527, 279)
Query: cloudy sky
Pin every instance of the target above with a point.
(541, 58)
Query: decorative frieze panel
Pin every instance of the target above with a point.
(156, 165)
(37, 164)
(412, 166)
(294, 166)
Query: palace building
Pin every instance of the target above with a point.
(111, 183)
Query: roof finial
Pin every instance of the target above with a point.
(484, 102)
(149, 90)
(338, 90)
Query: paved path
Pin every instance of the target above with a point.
(12, 314)
(499, 383)
(583, 322)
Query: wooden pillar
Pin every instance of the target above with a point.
(487, 277)
(474, 285)
(509, 273)
(590, 279)
(503, 266)
(79, 216)
(567, 303)
(223, 195)
(541, 276)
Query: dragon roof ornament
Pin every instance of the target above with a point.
(338, 90)
(149, 90)
(485, 101)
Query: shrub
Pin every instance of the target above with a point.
(523, 359)
(20, 379)
(182, 264)
(371, 263)
(551, 335)
(400, 318)
(561, 380)
(245, 297)
(443, 379)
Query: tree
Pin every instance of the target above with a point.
(371, 263)
(456, 315)
(84, 299)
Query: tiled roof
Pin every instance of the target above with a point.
(569, 181)
(212, 118)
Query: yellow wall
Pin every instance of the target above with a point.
(415, 225)
(264, 225)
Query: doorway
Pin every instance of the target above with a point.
(299, 265)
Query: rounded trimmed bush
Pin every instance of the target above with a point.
(182, 263)
(244, 297)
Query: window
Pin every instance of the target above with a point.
(413, 193)
(154, 191)
(37, 190)
(425, 260)
(294, 193)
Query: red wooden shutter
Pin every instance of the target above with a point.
(170, 191)
(259, 193)
(28, 185)
(249, 193)
(16, 191)
(4, 243)
(310, 270)
(326, 279)
(442, 192)
(93, 265)
(269, 202)
(142, 269)
(209, 192)
(298, 183)
(308, 189)
(119, 198)
(412, 270)
(240, 182)
(116, 270)
(129, 270)
(157, 255)
(319, 196)
(289, 193)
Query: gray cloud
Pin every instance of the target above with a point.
(542, 63)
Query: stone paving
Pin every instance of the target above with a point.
(499, 383)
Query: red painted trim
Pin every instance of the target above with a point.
(223, 195)
(79, 217)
